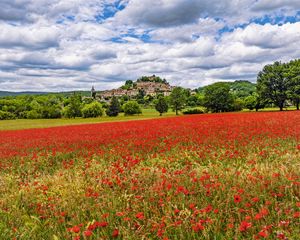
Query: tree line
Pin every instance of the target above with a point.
(278, 84)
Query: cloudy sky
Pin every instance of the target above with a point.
(73, 44)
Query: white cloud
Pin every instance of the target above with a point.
(59, 45)
(28, 36)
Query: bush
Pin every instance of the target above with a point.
(91, 110)
(131, 108)
(114, 108)
(238, 105)
(193, 111)
(33, 114)
(51, 112)
(6, 115)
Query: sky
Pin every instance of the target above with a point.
(63, 45)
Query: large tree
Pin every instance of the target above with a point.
(272, 84)
(161, 105)
(218, 98)
(178, 99)
(293, 75)
(73, 109)
(114, 107)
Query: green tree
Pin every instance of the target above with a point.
(92, 110)
(272, 84)
(162, 105)
(74, 107)
(131, 108)
(6, 115)
(51, 111)
(217, 98)
(253, 102)
(178, 99)
(113, 108)
(293, 75)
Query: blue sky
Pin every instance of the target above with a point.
(66, 45)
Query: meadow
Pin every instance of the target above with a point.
(43, 123)
(210, 176)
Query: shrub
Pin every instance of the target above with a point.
(193, 111)
(114, 108)
(33, 114)
(6, 115)
(51, 112)
(131, 108)
(91, 110)
(238, 105)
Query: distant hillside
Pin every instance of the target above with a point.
(6, 93)
(14, 94)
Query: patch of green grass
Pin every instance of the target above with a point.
(43, 123)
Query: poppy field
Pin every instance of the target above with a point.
(211, 176)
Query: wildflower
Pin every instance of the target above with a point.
(237, 198)
(115, 233)
(140, 215)
(244, 226)
(297, 215)
(263, 234)
(88, 233)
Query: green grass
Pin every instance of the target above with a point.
(43, 123)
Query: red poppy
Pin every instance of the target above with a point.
(115, 233)
(237, 198)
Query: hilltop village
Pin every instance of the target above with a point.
(147, 86)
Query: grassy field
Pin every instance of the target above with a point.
(42, 123)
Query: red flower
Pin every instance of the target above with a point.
(88, 233)
(115, 233)
(75, 229)
(237, 198)
(101, 224)
(244, 226)
(263, 234)
(140, 215)
(297, 215)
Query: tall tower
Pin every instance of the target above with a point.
(93, 92)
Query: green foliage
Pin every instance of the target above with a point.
(131, 108)
(162, 105)
(140, 96)
(88, 100)
(253, 102)
(238, 104)
(218, 98)
(52, 111)
(239, 88)
(293, 75)
(242, 88)
(114, 108)
(6, 115)
(178, 99)
(272, 84)
(128, 85)
(74, 107)
(192, 111)
(91, 110)
(195, 100)
(33, 114)
(152, 79)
